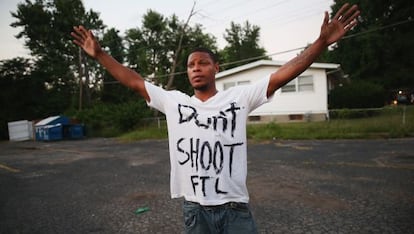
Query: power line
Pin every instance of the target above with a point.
(225, 64)
(410, 20)
(233, 6)
(300, 14)
(293, 15)
(290, 50)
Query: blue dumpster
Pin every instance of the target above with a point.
(51, 128)
(74, 131)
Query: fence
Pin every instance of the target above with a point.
(394, 111)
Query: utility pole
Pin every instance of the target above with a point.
(80, 79)
(87, 98)
(178, 50)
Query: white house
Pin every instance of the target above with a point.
(305, 98)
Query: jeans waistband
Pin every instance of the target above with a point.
(228, 205)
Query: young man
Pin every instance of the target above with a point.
(207, 131)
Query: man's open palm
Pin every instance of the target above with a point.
(86, 40)
(344, 20)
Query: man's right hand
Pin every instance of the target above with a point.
(86, 40)
(128, 77)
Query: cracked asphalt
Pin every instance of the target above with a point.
(312, 186)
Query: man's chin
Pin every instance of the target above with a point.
(200, 87)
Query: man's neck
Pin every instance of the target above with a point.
(205, 94)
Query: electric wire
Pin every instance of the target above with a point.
(287, 51)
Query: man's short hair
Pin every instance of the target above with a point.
(212, 55)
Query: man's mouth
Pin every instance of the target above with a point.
(197, 78)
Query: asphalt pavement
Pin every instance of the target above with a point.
(107, 186)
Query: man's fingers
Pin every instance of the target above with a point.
(352, 18)
(351, 25)
(339, 14)
(76, 36)
(349, 12)
(347, 16)
(81, 34)
(85, 32)
(77, 43)
(82, 30)
(326, 18)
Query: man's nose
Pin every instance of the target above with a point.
(196, 67)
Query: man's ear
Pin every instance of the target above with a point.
(217, 67)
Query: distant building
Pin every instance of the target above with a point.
(305, 98)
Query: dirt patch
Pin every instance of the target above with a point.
(270, 191)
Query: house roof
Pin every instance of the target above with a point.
(259, 63)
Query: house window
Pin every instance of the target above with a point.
(254, 118)
(305, 83)
(289, 87)
(300, 84)
(295, 117)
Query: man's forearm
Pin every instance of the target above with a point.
(301, 62)
(123, 74)
(296, 66)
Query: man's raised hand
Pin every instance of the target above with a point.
(344, 20)
(86, 40)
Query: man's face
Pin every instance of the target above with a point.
(201, 71)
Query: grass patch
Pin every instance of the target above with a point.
(146, 133)
(390, 122)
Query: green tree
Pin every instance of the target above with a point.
(23, 92)
(151, 49)
(365, 94)
(243, 45)
(150, 42)
(46, 27)
(112, 91)
(193, 37)
(380, 48)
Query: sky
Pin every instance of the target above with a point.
(284, 24)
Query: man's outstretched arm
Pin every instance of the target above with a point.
(87, 41)
(331, 31)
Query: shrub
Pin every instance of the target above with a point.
(357, 94)
(109, 120)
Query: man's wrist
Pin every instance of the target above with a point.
(99, 54)
(321, 41)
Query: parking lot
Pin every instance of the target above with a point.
(313, 186)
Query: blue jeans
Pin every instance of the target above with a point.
(224, 219)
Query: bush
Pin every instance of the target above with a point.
(357, 94)
(353, 114)
(109, 120)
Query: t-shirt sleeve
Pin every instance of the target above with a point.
(256, 93)
(157, 95)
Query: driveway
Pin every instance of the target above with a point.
(313, 186)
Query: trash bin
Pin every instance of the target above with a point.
(51, 128)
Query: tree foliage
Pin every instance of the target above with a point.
(357, 94)
(112, 91)
(46, 27)
(380, 48)
(151, 48)
(23, 92)
(243, 45)
(60, 78)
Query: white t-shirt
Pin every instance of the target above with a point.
(207, 141)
